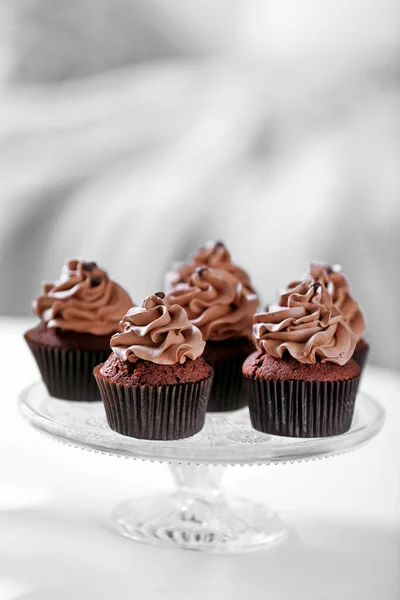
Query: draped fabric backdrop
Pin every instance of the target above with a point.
(132, 132)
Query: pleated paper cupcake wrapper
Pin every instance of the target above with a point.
(227, 390)
(68, 374)
(360, 358)
(155, 412)
(301, 408)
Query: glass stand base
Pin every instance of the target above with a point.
(190, 522)
(198, 515)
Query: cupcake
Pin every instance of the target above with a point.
(302, 381)
(214, 255)
(78, 315)
(338, 286)
(155, 385)
(223, 309)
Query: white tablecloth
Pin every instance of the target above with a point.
(56, 539)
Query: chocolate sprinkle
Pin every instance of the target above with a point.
(316, 285)
(160, 295)
(219, 244)
(89, 266)
(95, 280)
(201, 270)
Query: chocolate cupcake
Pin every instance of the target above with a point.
(302, 381)
(338, 287)
(79, 314)
(361, 353)
(222, 308)
(155, 385)
(214, 255)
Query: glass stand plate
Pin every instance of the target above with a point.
(197, 515)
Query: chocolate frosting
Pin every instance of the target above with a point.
(158, 333)
(214, 255)
(217, 303)
(338, 286)
(83, 300)
(308, 325)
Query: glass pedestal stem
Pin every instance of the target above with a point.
(198, 479)
(199, 516)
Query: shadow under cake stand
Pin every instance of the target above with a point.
(197, 515)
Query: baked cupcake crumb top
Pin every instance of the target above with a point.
(143, 372)
(263, 366)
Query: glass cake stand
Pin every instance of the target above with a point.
(197, 515)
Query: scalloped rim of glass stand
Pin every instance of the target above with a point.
(276, 449)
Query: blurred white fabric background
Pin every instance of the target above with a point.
(133, 131)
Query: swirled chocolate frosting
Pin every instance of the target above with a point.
(307, 325)
(84, 299)
(214, 255)
(217, 303)
(158, 333)
(338, 287)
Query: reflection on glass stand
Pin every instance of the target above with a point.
(197, 515)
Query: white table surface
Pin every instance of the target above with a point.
(56, 541)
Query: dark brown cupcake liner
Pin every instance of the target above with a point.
(301, 408)
(155, 412)
(360, 357)
(227, 389)
(68, 374)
